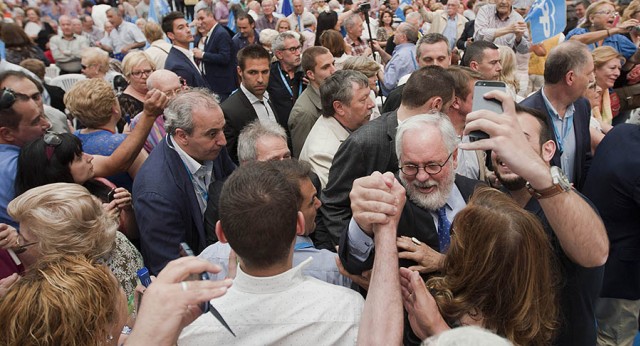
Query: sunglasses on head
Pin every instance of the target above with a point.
(7, 99)
(52, 141)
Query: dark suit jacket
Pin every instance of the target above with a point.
(238, 113)
(613, 185)
(220, 62)
(368, 149)
(166, 207)
(393, 101)
(469, 30)
(414, 222)
(581, 120)
(180, 65)
(279, 94)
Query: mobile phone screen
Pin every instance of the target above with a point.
(480, 88)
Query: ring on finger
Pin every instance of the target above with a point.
(184, 285)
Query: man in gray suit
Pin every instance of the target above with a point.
(371, 147)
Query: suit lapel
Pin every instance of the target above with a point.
(245, 102)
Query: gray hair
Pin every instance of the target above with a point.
(309, 20)
(350, 21)
(467, 335)
(278, 42)
(567, 56)
(409, 31)
(418, 122)
(432, 38)
(267, 36)
(179, 111)
(339, 87)
(250, 135)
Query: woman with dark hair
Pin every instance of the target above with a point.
(385, 28)
(19, 46)
(58, 158)
(498, 274)
(326, 21)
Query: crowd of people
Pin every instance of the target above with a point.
(321, 161)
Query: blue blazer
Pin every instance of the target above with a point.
(166, 206)
(182, 66)
(581, 120)
(220, 61)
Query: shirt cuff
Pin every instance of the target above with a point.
(360, 244)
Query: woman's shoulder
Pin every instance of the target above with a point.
(577, 31)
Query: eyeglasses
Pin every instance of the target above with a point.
(608, 13)
(7, 99)
(431, 168)
(52, 141)
(140, 73)
(293, 49)
(22, 248)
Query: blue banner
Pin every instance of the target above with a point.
(547, 18)
(287, 8)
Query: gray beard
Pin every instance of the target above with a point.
(429, 201)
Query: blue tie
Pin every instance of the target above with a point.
(299, 25)
(443, 229)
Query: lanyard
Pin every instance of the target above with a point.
(560, 140)
(286, 84)
(300, 246)
(199, 190)
(413, 60)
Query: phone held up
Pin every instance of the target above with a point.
(481, 103)
(185, 250)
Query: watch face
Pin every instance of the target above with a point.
(560, 178)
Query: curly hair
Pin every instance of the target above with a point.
(499, 269)
(66, 218)
(91, 101)
(62, 300)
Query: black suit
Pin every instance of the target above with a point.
(613, 185)
(370, 148)
(238, 113)
(219, 60)
(179, 64)
(469, 30)
(281, 98)
(414, 222)
(57, 96)
(581, 118)
(394, 100)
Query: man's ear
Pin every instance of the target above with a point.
(548, 150)
(473, 65)
(220, 233)
(455, 104)
(171, 36)
(300, 226)
(310, 75)
(278, 54)
(180, 136)
(7, 135)
(436, 104)
(570, 77)
(338, 108)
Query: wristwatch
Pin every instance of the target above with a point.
(560, 184)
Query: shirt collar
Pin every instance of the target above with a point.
(568, 113)
(194, 167)
(253, 98)
(270, 284)
(186, 52)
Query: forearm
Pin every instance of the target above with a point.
(135, 45)
(595, 36)
(578, 227)
(382, 317)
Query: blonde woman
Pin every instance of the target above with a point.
(136, 67)
(508, 72)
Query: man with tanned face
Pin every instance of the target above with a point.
(318, 65)
(252, 101)
(125, 36)
(66, 48)
(247, 33)
(484, 57)
(180, 59)
(217, 55)
(500, 24)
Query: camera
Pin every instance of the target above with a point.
(364, 7)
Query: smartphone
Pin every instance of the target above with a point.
(480, 103)
(185, 250)
(111, 195)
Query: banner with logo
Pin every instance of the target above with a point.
(547, 18)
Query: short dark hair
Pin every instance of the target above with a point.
(546, 133)
(295, 171)
(258, 213)
(475, 52)
(565, 57)
(308, 60)
(425, 83)
(339, 87)
(252, 51)
(167, 21)
(246, 16)
(36, 67)
(36, 169)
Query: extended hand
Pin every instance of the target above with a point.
(427, 258)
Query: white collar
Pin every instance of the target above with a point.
(270, 284)
(253, 98)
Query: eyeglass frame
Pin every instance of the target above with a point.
(139, 74)
(608, 13)
(424, 168)
(292, 50)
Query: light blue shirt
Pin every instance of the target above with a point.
(451, 31)
(8, 169)
(360, 244)
(403, 62)
(565, 136)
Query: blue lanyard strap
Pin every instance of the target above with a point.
(300, 246)
(286, 84)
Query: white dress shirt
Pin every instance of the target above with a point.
(262, 107)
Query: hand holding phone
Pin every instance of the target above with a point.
(480, 88)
